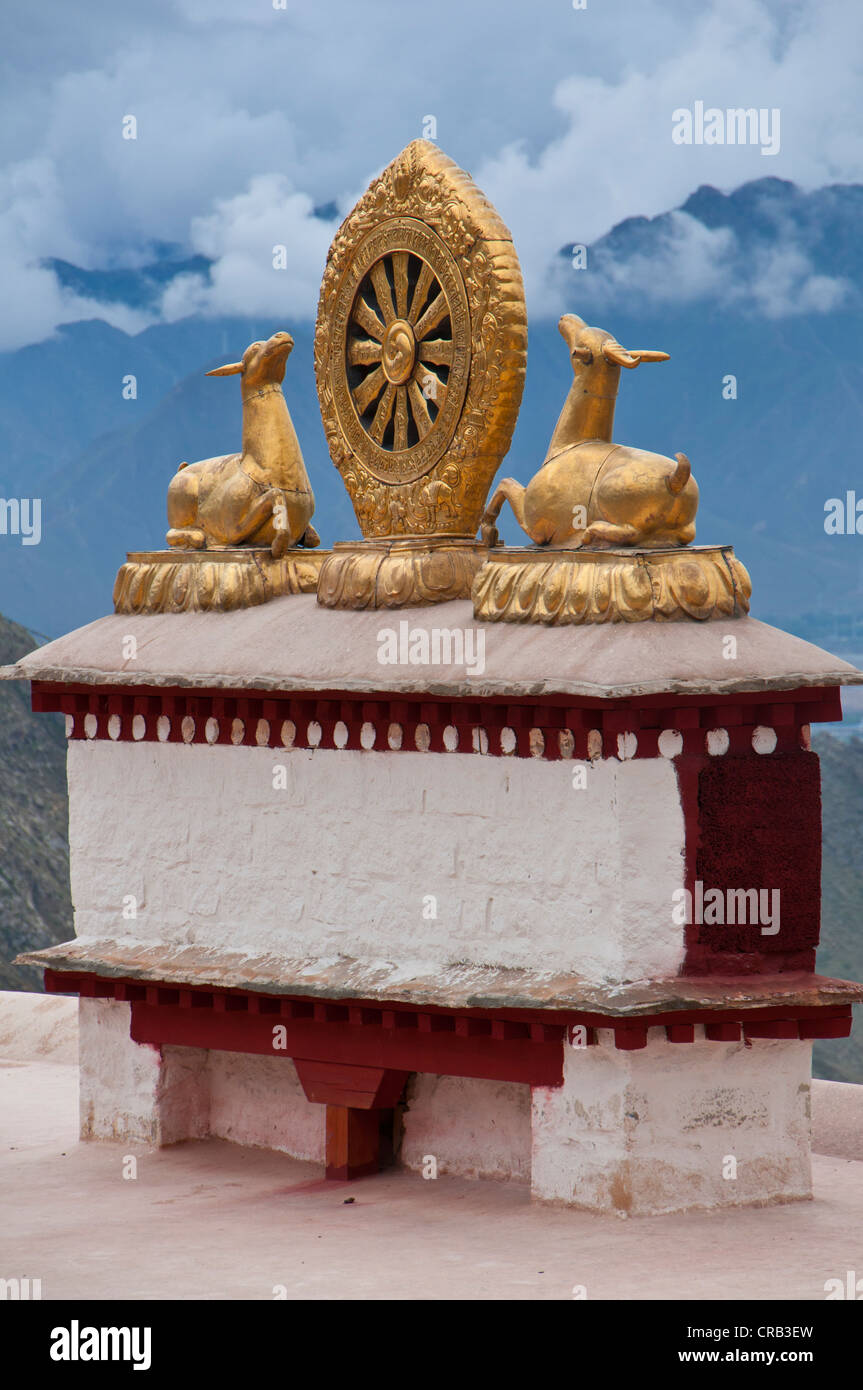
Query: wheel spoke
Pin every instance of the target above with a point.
(368, 389)
(387, 407)
(419, 409)
(383, 292)
(437, 350)
(434, 314)
(366, 317)
(364, 352)
(424, 283)
(400, 436)
(383, 413)
(400, 276)
(432, 386)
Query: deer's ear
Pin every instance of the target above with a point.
(613, 352)
(648, 355)
(232, 369)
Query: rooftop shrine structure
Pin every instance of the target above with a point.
(429, 847)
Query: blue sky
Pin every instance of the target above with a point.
(248, 117)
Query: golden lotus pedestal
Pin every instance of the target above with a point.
(403, 572)
(533, 585)
(204, 581)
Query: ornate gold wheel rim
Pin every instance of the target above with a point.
(401, 353)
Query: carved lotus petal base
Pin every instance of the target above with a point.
(523, 585)
(403, 573)
(204, 581)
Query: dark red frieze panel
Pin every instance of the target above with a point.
(754, 823)
(554, 727)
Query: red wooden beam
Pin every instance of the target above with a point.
(773, 1028)
(342, 1083)
(680, 1032)
(723, 1032)
(394, 1048)
(352, 1142)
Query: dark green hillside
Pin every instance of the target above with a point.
(35, 907)
(841, 949)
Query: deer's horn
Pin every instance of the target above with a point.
(232, 369)
(677, 480)
(613, 352)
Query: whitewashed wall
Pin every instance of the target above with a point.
(650, 1131)
(525, 869)
(471, 1128)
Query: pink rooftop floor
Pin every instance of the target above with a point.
(215, 1221)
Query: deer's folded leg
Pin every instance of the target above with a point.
(508, 490)
(257, 522)
(611, 533)
(186, 538)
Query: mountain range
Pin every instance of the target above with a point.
(766, 461)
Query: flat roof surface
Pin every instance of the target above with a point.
(292, 643)
(461, 985)
(212, 1220)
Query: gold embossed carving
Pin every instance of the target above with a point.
(401, 367)
(557, 587)
(420, 348)
(213, 581)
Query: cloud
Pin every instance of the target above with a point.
(782, 282)
(32, 226)
(616, 158)
(682, 261)
(248, 116)
(244, 236)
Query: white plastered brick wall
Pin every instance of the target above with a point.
(647, 1132)
(138, 1093)
(651, 1131)
(118, 1079)
(525, 869)
(471, 1128)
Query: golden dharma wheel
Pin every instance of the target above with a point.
(420, 348)
(401, 364)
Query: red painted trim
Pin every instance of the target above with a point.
(723, 1032)
(773, 1028)
(680, 1032)
(352, 1142)
(504, 1045)
(550, 717)
(738, 782)
(345, 1084)
(379, 1045)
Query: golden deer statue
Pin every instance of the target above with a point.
(261, 496)
(590, 491)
